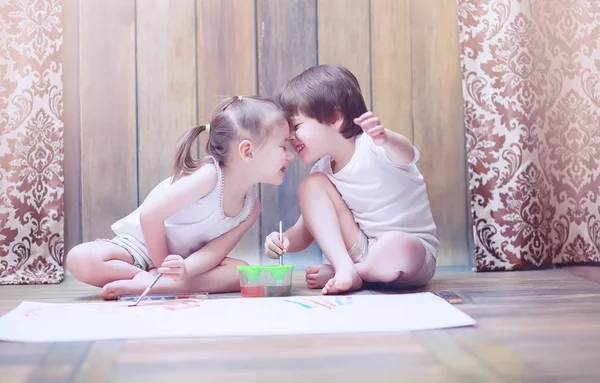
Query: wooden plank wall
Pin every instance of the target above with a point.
(142, 72)
(109, 179)
(287, 44)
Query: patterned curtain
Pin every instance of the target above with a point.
(31, 142)
(531, 87)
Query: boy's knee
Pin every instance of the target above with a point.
(312, 182)
(409, 253)
(379, 273)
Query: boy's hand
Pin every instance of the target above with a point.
(273, 246)
(371, 125)
(173, 267)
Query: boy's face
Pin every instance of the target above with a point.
(310, 138)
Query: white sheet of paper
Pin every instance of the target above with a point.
(61, 322)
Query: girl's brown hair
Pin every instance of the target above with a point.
(239, 116)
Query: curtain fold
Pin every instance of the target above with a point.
(31, 143)
(531, 87)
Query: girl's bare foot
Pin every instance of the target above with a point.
(343, 281)
(318, 275)
(115, 289)
(133, 286)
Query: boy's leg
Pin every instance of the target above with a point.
(100, 262)
(333, 227)
(421, 279)
(396, 257)
(317, 276)
(222, 279)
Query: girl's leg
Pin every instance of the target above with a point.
(396, 256)
(222, 279)
(98, 263)
(332, 226)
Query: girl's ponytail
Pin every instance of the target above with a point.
(184, 162)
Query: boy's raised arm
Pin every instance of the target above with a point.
(398, 148)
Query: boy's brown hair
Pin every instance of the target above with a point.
(323, 92)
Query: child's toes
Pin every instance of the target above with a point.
(109, 291)
(328, 286)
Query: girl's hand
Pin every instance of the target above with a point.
(273, 246)
(173, 267)
(371, 125)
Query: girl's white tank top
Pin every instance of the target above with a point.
(194, 226)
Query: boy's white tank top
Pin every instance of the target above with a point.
(191, 228)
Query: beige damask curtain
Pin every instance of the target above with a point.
(31, 142)
(531, 86)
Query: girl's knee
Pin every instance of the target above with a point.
(231, 283)
(74, 257)
(83, 260)
(234, 262)
(78, 263)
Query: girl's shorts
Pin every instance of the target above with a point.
(134, 247)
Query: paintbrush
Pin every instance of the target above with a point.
(147, 290)
(280, 240)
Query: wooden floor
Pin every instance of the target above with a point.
(538, 326)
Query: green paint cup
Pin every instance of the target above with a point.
(265, 280)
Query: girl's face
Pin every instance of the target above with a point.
(273, 157)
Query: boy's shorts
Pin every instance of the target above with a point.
(359, 251)
(134, 247)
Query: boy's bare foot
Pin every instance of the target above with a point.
(317, 276)
(343, 281)
(133, 286)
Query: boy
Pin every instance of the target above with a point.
(365, 201)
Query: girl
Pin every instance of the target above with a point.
(189, 222)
